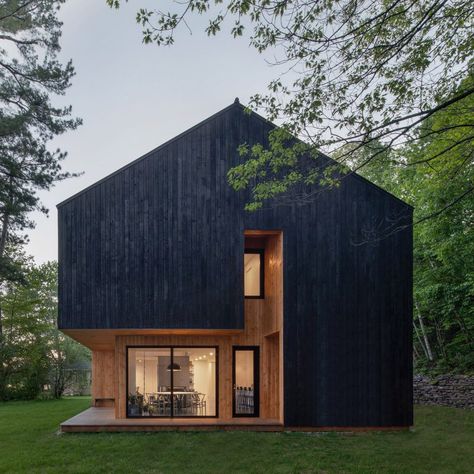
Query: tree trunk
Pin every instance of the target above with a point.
(4, 234)
(423, 332)
(439, 338)
(416, 354)
(3, 368)
(3, 244)
(420, 341)
(464, 328)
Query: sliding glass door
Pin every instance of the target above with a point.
(171, 381)
(245, 381)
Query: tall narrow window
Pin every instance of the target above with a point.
(245, 381)
(253, 273)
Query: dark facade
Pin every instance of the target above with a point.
(159, 244)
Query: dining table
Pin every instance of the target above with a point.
(181, 397)
(174, 393)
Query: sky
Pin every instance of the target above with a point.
(133, 97)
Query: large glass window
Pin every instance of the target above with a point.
(170, 382)
(253, 273)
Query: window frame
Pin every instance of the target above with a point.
(261, 252)
(256, 378)
(172, 347)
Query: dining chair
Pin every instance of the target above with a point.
(202, 404)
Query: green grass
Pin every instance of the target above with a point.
(442, 441)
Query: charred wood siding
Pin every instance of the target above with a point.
(159, 244)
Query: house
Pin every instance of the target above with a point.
(200, 314)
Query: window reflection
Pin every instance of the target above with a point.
(171, 382)
(253, 274)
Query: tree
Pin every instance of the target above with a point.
(30, 74)
(350, 73)
(438, 183)
(35, 354)
(60, 351)
(444, 247)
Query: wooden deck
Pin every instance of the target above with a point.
(103, 419)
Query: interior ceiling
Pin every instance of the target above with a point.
(195, 354)
(251, 259)
(104, 339)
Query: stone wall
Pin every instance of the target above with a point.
(449, 390)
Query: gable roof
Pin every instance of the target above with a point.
(244, 109)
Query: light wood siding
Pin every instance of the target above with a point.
(103, 378)
(259, 315)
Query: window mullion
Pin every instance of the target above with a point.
(172, 382)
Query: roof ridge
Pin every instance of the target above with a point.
(352, 173)
(147, 154)
(245, 109)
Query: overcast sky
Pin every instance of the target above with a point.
(133, 97)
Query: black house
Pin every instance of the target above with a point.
(199, 313)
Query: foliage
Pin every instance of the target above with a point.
(349, 73)
(35, 355)
(388, 87)
(30, 75)
(440, 442)
(436, 175)
(444, 247)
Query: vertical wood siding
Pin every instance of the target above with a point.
(159, 244)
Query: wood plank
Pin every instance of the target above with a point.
(104, 339)
(103, 378)
(102, 420)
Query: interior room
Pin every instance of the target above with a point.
(172, 382)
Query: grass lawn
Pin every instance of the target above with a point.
(442, 441)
